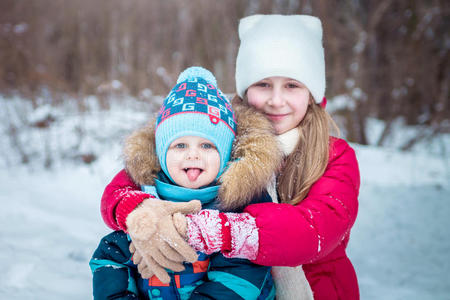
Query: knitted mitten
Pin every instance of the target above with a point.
(234, 234)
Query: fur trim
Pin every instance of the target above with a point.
(141, 161)
(256, 156)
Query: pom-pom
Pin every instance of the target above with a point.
(197, 72)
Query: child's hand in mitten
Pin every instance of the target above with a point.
(180, 223)
(143, 268)
(155, 237)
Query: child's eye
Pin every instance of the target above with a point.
(180, 146)
(208, 146)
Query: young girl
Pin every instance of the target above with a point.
(280, 71)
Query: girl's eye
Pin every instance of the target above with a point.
(292, 86)
(262, 84)
(208, 146)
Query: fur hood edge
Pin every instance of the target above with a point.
(255, 158)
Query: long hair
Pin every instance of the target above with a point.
(307, 163)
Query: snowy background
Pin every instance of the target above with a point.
(50, 219)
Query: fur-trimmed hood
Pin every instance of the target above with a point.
(255, 157)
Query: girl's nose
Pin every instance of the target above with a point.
(276, 99)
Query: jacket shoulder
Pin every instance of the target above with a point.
(114, 246)
(339, 146)
(342, 169)
(112, 276)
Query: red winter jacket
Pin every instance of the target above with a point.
(313, 233)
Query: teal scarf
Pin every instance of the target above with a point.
(169, 191)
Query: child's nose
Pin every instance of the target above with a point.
(193, 153)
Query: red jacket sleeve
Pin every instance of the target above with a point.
(121, 196)
(293, 235)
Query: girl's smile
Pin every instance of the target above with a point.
(283, 100)
(276, 117)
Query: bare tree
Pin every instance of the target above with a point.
(390, 56)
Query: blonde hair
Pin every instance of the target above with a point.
(307, 163)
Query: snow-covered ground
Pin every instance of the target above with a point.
(50, 219)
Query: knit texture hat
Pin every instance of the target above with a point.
(276, 45)
(195, 107)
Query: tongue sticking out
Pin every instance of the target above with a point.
(193, 173)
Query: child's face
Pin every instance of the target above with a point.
(283, 100)
(192, 161)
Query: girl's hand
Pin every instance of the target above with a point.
(155, 238)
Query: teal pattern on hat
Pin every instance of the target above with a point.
(196, 107)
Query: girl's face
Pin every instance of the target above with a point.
(283, 100)
(192, 161)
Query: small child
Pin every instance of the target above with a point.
(186, 156)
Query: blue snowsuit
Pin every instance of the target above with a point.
(211, 277)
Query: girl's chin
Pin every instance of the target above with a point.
(279, 129)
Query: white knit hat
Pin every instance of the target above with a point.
(276, 45)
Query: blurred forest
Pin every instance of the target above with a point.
(388, 58)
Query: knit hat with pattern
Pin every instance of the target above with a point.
(196, 107)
